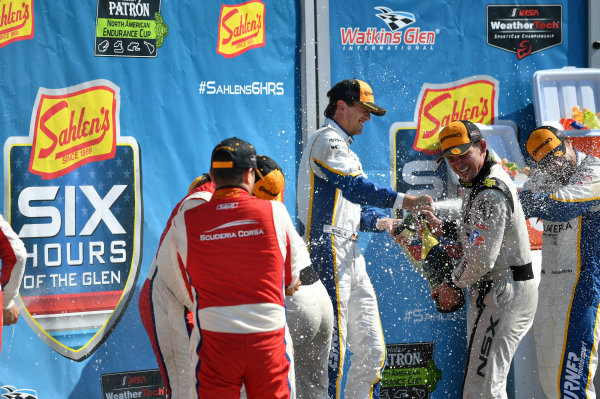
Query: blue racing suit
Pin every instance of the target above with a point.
(565, 327)
(335, 201)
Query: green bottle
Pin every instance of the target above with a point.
(437, 266)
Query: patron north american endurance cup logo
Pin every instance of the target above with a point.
(398, 33)
(74, 198)
(410, 371)
(129, 28)
(16, 21)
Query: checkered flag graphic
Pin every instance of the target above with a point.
(14, 393)
(395, 19)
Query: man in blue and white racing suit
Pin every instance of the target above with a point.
(335, 201)
(565, 194)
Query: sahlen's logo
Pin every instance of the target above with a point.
(474, 98)
(78, 210)
(241, 28)
(72, 127)
(16, 21)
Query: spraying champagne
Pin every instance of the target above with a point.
(435, 264)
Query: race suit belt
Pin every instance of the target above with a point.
(340, 232)
(518, 273)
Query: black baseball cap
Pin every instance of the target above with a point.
(241, 154)
(357, 91)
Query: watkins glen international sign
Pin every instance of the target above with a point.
(74, 197)
(241, 28)
(474, 98)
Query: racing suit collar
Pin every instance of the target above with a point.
(347, 138)
(580, 156)
(483, 172)
(230, 192)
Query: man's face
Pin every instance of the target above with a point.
(468, 165)
(560, 168)
(352, 118)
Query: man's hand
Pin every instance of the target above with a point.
(416, 205)
(388, 224)
(289, 291)
(448, 297)
(10, 315)
(431, 222)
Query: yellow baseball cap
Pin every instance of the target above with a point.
(545, 142)
(457, 137)
(270, 182)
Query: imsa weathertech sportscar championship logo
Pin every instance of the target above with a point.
(241, 28)
(16, 21)
(524, 29)
(77, 208)
(474, 99)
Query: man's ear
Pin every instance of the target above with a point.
(483, 145)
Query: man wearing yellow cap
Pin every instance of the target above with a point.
(335, 201)
(496, 264)
(565, 194)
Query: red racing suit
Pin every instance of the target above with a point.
(233, 250)
(13, 256)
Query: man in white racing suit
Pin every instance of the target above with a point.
(496, 265)
(565, 193)
(335, 201)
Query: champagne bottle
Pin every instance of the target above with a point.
(437, 266)
(408, 227)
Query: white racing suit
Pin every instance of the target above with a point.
(333, 205)
(310, 320)
(565, 327)
(164, 313)
(496, 267)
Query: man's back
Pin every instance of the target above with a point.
(233, 249)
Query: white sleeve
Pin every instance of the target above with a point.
(298, 257)
(171, 261)
(13, 255)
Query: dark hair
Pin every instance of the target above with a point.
(332, 107)
(227, 176)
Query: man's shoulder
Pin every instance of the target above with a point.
(590, 165)
(495, 188)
